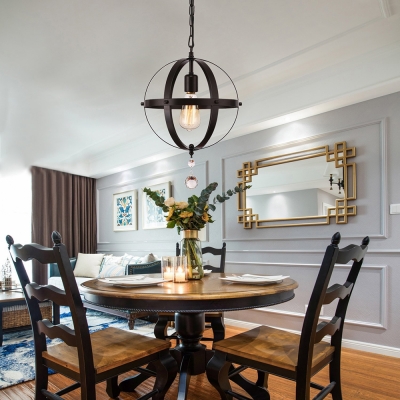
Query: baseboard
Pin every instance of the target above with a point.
(349, 344)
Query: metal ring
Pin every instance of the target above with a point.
(215, 105)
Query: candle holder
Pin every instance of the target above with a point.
(167, 268)
(180, 269)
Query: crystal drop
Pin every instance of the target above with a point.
(191, 163)
(191, 182)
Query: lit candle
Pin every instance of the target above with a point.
(180, 275)
(169, 274)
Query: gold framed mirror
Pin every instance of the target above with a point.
(307, 187)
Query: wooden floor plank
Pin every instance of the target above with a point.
(365, 376)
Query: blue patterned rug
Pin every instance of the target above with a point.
(17, 355)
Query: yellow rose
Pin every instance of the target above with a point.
(185, 214)
(205, 217)
(170, 212)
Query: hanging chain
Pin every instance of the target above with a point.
(191, 27)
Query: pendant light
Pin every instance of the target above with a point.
(189, 104)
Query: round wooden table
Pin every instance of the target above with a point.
(189, 301)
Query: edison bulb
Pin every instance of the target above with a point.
(190, 115)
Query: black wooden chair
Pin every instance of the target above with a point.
(83, 357)
(288, 355)
(215, 320)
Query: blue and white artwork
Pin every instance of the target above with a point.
(125, 211)
(153, 216)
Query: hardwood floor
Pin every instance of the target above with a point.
(366, 376)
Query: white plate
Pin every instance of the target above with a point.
(207, 271)
(133, 281)
(255, 279)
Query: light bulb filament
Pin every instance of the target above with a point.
(190, 114)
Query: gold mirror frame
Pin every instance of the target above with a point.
(342, 210)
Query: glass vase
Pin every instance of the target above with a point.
(191, 248)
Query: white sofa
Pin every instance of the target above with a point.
(90, 266)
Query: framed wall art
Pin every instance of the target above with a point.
(153, 216)
(125, 211)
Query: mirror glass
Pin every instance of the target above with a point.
(295, 189)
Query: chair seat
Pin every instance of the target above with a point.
(111, 348)
(272, 347)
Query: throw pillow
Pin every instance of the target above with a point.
(112, 269)
(148, 258)
(88, 265)
(135, 260)
(126, 259)
(114, 266)
(106, 256)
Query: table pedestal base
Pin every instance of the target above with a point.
(190, 354)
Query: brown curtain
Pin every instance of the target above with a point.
(65, 203)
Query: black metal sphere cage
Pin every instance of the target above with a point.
(213, 103)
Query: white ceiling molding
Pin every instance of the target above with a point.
(385, 8)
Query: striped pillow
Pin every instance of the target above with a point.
(112, 266)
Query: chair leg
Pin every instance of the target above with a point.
(88, 387)
(262, 379)
(56, 314)
(112, 388)
(334, 375)
(302, 389)
(166, 369)
(217, 374)
(257, 390)
(218, 328)
(41, 381)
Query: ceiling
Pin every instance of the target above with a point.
(73, 73)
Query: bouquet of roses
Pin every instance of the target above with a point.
(195, 213)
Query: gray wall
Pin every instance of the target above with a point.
(373, 127)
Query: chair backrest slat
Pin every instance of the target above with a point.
(337, 291)
(47, 293)
(33, 251)
(351, 252)
(327, 328)
(58, 331)
(215, 252)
